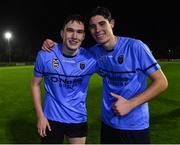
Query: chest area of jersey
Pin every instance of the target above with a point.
(66, 66)
(119, 62)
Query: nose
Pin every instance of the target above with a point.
(97, 28)
(74, 35)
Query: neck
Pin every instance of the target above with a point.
(110, 44)
(68, 51)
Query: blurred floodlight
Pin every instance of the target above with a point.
(8, 35)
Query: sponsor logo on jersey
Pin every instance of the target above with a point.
(120, 59)
(68, 83)
(55, 63)
(82, 66)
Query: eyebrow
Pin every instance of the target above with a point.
(69, 28)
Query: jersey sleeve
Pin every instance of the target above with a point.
(39, 66)
(147, 61)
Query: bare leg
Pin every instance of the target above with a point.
(77, 140)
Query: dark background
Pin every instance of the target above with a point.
(31, 22)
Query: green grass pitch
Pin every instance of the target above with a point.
(17, 116)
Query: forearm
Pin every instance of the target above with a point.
(37, 101)
(158, 85)
(36, 94)
(151, 92)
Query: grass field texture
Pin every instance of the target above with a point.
(17, 116)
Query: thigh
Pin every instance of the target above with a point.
(77, 140)
(140, 136)
(56, 135)
(110, 135)
(77, 132)
(131, 137)
(107, 134)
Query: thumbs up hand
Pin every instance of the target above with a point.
(122, 106)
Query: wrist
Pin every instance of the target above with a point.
(40, 115)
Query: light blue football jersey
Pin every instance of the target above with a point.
(66, 83)
(124, 71)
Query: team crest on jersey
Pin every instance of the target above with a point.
(55, 63)
(121, 59)
(82, 66)
(101, 59)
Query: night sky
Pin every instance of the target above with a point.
(31, 22)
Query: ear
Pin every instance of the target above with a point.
(61, 33)
(112, 22)
(84, 35)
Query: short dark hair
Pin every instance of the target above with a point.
(74, 17)
(101, 11)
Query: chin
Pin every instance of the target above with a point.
(73, 48)
(101, 41)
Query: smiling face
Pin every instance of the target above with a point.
(101, 29)
(73, 34)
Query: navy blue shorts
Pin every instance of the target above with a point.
(59, 130)
(110, 135)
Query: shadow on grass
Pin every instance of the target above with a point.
(22, 130)
(169, 101)
(165, 127)
(165, 117)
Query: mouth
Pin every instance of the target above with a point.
(73, 42)
(99, 36)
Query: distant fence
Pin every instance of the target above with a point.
(16, 63)
(168, 59)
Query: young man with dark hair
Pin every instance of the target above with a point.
(66, 71)
(124, 64)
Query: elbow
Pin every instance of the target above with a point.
(164, 84)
